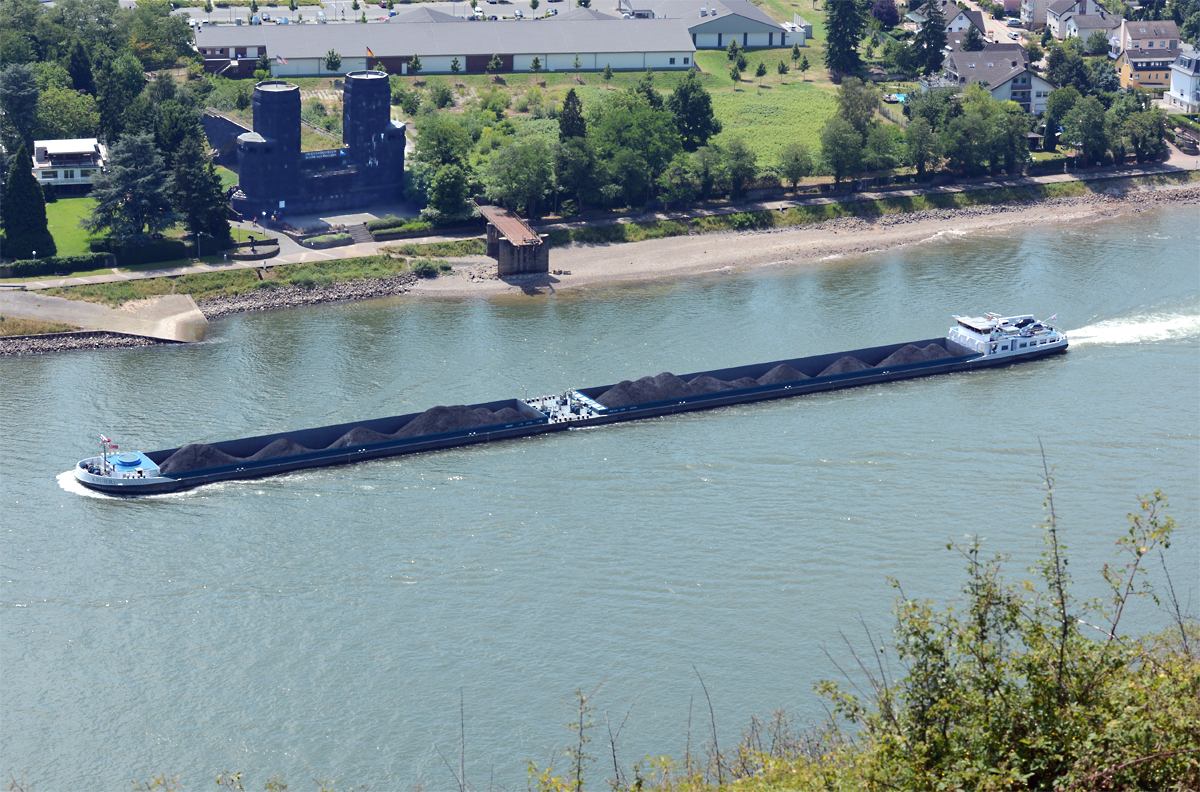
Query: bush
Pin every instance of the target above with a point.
(163, 250)
(328, 241)
(29, 268)
(405, 223)
(49, 193)
(428, 268)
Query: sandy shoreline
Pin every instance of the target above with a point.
(741, 251)
(584, 266)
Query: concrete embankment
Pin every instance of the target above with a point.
(296, 296)
(172, 317)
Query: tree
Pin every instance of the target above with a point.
(735, 73)
(253, 6)
(795, 163)
(633, 139)
(450, 192)
(519, 175)
(796, 52)
(1097, 43)
(208, 6)
(79, 65)
(921, 144)
(731, 52)
(675, 185)
(1102, 74)
(760, 71)
(973, 42)
(804, 66)
(645, 87)
(841, 148)
(931, 39)
(354, 5)
(533, 5)
(858, 102)
(691, 105)
(197, 193)
(578, 64)
(263, 63)
(332, 61)
(535, 65)
(1058, 104)
(1145, 130)
(19, 103)
(881, 149)
(570, 119)
(741, 165)
(133, 195)
(414, 65)
(495, 64)
(363, 18)
(1084, 128)
(608, 72)
(64, 114)
(1064, 66)
(575, 167)
(844, 27)
(782, 68)
(886, 12)
(24, 210)
(455, 66)
(1035, 52)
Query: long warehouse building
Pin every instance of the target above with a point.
(595, 38)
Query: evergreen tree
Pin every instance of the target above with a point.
(760, 71)
(804, 66)
(645, 87)
(973, 42)
(455, 67)
(931, 40)
(332, 60)
(198, 197)
(133, 195)
(844, 25)
(731, 52)
(19, 103)
(24, 211)
(692, 107)
(796, 52)
(495, 64)
(535, 65)
(79, 66)
(782, 68)
(608, 72)
(570, 120)
(414, 65)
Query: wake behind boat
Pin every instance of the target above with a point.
(974, 342)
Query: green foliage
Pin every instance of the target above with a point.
(973, 42)
(428, 268)
(1084, 129)
(495, 65)
(841, 149)
(19, 103)
(440, 94)
(414, 65)
(795, 163)
(328, 240)
(1058, 104)
(844, 25)
(455, 66)
(24, 210)
(28, 268)
(332, 61)
(449, 194)
(571, 123)
(741, 166)
(692, 107)
(520, 175)
(608, 72)
(921, 145)
(769, 119)
(930, 42)
(455, 247)
(133, 194)
(198, 196)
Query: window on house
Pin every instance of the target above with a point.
(685, 61)
(672, 61)
(49, 174)
(69, 174)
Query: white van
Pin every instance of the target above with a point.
(321, 18)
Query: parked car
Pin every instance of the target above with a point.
(518, 14)
(1013, 36)
(1009, 22)
(266, 17)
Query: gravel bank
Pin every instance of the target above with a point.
(295, 296)
(66, 342)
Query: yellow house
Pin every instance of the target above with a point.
(1148, 69)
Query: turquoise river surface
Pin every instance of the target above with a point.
(325, 624)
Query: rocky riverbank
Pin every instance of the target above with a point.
(269, 299)
(67, 342)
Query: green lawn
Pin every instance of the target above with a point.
(63, 218)
(768, 115)
(228, 177)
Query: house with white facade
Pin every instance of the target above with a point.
(1033, 13)
(1059, 11)
(69, 165)
(1082, 26)
(713, 24)
(1185, 84)
(1004, 70)
(1150, 35)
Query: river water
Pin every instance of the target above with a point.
(325, 624)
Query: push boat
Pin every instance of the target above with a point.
(972, 343)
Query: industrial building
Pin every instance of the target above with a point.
(277, 178)
(667, 37)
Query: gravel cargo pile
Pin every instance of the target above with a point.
(910, 353)
(669, 386)
(197, 456)
(844, 366)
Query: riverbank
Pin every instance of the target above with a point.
(797, 241)
(591, 266)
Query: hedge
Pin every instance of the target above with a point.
(406, 223)
(29, 268)
(163, 250)
(327, 241)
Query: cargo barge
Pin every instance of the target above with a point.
(973, 343)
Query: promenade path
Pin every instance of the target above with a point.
(292, 253)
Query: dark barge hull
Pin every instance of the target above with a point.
(534, 422)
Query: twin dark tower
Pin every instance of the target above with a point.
(277, 178)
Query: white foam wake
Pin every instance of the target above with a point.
(67, 481)
(1138, 330)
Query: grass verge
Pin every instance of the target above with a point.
(15, 326)
(208, 285)
(453, 247)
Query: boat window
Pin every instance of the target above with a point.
(1004, 347)
(1024, 345)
